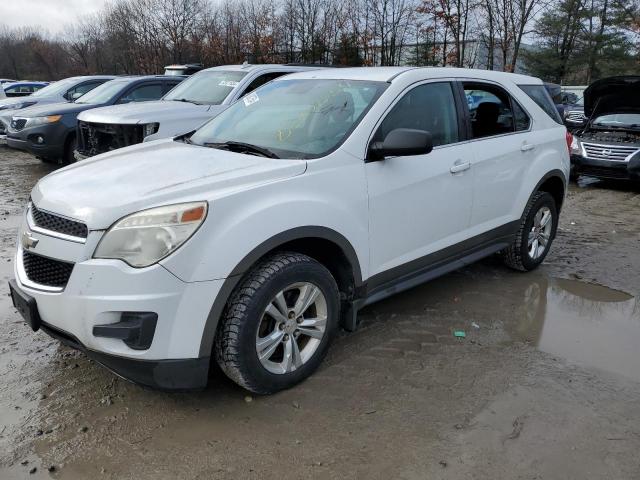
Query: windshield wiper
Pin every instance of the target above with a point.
(241, 147)
(185, 100)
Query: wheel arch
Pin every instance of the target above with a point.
(555, 184)
(323, 244)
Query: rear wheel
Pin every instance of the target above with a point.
(535, 235)
(278, 324)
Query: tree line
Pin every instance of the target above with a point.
(565, 41)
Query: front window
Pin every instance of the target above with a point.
(293, 118)
(104, 93)
(207, 88)
(622, 120)
(57, 88)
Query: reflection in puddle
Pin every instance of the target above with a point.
(584, 323)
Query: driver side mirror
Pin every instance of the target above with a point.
(75, 96)
(401, 142)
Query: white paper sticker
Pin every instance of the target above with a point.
(250, 99)
(228, 83)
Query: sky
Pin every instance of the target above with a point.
(49, 15)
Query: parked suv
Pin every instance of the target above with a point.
(252, 240)
(198, 99)
(49, 131)
(608, 146)
(66, 90)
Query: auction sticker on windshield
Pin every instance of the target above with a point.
(251, 99)
(229, 83)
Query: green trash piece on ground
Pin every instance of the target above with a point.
(459, 333)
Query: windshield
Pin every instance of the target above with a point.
(294, 118)
(57, 88)
(210, 88)
(103, 93)
(618, 120)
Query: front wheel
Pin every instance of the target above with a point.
(278, 324)
(535, 235)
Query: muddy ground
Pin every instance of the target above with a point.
(545, 385)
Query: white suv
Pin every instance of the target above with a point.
(252, 240)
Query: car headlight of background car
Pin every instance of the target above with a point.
(576, 148)
(150, 129)
(146, 237)
(17, 106)
(35, 121)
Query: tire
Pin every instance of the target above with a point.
(246, 325)
(69, 147)
(518, 255)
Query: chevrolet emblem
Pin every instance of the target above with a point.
(28, 241)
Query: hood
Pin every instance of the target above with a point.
(29, 98)
(147, 112)
(40, 110)
(105, 188)
(612, 95)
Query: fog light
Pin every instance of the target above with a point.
(40, 139)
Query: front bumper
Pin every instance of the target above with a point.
(98, 292)
(53, 135)
(614, 170)
(168, 375)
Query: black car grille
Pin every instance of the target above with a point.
(55, 223)
(603, 172)
(97, 138)
(46, 271)
(18, 124)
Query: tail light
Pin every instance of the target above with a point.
(569, 138)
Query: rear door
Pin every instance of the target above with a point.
(502, 144)
(420, 204)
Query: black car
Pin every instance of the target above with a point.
(608, 146)
(49, 131)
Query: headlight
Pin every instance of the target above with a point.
(575, 146)
(17, 106)
(35, 121)
(150, 129)
(147, 237)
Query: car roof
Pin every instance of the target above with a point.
(248, 67)
(26, 82)
(140, 78)
(388, 74)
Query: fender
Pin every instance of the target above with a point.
(230, 283)
(547, 176)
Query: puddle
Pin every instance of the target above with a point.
(584, 323)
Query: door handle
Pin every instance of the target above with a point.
(526, 147)
(460, 166)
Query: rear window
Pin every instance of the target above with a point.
(540, 95)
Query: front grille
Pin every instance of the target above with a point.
(612, 153)
(18, 124)
(46, 271)
(97, 138)
(576, 116)
(56, 223)
(3, 129)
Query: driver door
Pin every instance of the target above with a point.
(420, 205)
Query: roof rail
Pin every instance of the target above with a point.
(323, 65)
